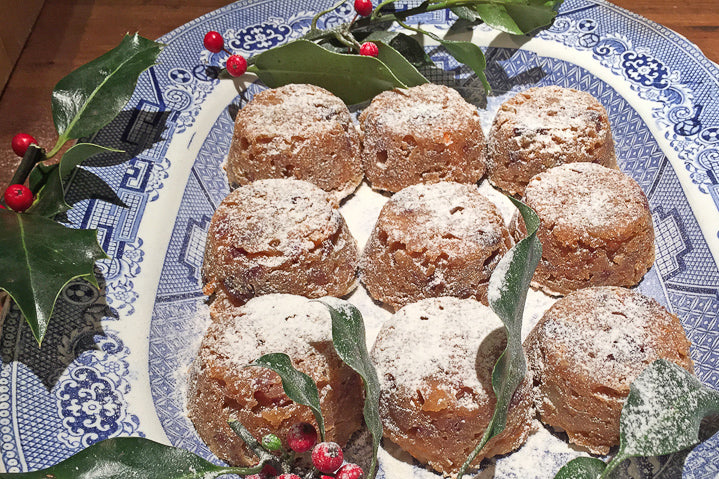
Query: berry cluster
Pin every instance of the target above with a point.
(19, 197)
(236, 65)
(327, 457)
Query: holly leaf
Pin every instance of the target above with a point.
(406, 45)
(353, 78)
(507, 295)
(51, 196)
(297, 385)
(582, 468)
(516, 17)
(400, 67)
(348, 337)
(124, 457)
(91, 96)
(663, 412)
(39, 257)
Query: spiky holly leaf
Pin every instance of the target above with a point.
(39, 257)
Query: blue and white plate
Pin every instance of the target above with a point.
(114, 362)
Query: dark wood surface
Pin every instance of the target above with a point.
(69, 33)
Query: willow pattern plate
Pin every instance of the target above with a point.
(113, 362)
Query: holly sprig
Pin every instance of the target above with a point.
(358, 59)
(39, 255)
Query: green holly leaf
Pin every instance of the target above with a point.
(91, 96)
(507, 295)
(297, 385)
(125, 457)
(406, 45)
(517, 17)
(353, 78)
(582, 468)
(348, 337)
(39, 257)
(53, 179)
(398, 64)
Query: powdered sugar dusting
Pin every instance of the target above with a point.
(436, 338)
(281, 215)
(445, 211)
(586, 195)
(273, 323)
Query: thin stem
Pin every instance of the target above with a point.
(313, 25)
(60, 142)
(33, 156)
(616, 460)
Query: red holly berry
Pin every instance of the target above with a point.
(236, 65)
(350, 471)
(289, 476)
(20, 142)
(268, 470)
(18, 197)
(327, 457)
(214, 42)
(301, 437)
(369, 49)
(363, 7)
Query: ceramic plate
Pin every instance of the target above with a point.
(114, 362)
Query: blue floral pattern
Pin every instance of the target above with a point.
(74, 392)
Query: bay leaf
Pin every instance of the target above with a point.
(353, 78)
(297, 385)
(507, 295)
(348, 337)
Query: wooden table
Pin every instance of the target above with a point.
(69, 33)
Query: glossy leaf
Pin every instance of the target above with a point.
(353, 78)
(467, 53)
(348, 336)
(39, 257)
(126, 457)
(507, 295)
(91, 96)
(471, 55)
(400, 67)
(582, 468)
(297, 385)
(51, 197)
(406, 45)
(663, 411)
(518, 17)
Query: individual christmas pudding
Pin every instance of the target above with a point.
(222, 387)
(430, 240)
(595, 228)
(586, 351)
(434, 360)
(296, 131)
(422, 134)
(278, 236)
(544, 127)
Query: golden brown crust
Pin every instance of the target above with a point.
(279, 236)
(586, 351)
(544, 127)
(422, 134)
(296, 131)
(220, 387)
(436, 402)
(596, 228)
(430, 240)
